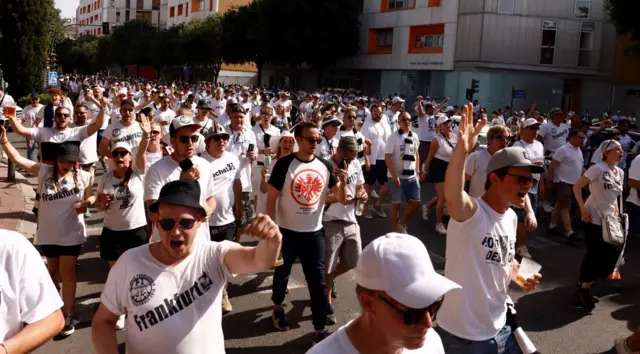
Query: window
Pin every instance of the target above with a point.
(99, 30)
(180, 10)
(505, 6)
(201, 5)
(385, 38)
(548, 41)
(143, 16)
(172, 11)
(582, 8)
(586, 43)
(118, 16)
(126, 16)
(140, 4)
(186, 10)
(400, 4)
(96, 18)
(127, 4)
(99, 6)
(429, 41)
(155, 5)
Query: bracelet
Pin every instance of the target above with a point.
(6, 351)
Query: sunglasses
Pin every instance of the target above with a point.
(117, 154)
(81, 112)
(501, 137)
(127, 109)
(186, 139)
(168, 224)
(523, 180)
(154, 132)
(220, 137)
(312, 140)
(63, 115)
(414, 316)
(405, 120)
(350, 117)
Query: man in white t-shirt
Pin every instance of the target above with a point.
(29, 116)
(219, 104)
(553, 134)
(298, 186)
(567, 165)
(170, 290)
(393, 112)
(378, 132)
(426, 125)
(164, 115)
(30, 308)
(399, 292)
(225, 167)
(182, 164)
(481, 236)
(124, 130)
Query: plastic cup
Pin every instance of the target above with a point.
(528, 268)
(10, 111)
(80, 207)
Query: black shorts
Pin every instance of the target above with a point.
(114, 243)
(223, 233)
(437, 170)
(378, 172)
(55, 251)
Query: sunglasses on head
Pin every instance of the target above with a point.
(63, 115)
(186, 139)
(524, 180)
(120, 153)
(414, 316)
(312, 140)
(168, 224)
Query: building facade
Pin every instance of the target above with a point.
(90, 14)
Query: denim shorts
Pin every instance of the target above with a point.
(502, 343)
(408, 191)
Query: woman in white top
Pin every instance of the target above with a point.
(65, 195)
(282, 145)
(605, 181)
(156, 149)
(435, 168)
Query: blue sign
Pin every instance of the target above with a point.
(53, 78)
(520, 94)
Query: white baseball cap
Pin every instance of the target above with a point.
(399, 264)
(449, 109)
(529, 122)
(442, 119)
(183, 121)
(397, 100)
(121, 145)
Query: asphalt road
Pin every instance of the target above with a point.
(546, 314)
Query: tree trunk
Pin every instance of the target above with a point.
(216, 71)
(260, 66)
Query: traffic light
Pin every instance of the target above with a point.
(475, 86)
(105, 28)
(469, 95)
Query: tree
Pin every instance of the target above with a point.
(202, 42)
(168, 48)
(622, 15)
(26, 32)
(132, 43)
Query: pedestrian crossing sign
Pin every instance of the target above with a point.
(53, 78)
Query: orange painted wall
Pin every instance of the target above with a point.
(415, 31)
(224, 5)
(626, 69)
(434, 3)
(372, 44)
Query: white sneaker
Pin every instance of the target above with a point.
(621, 346)
(402, 229)
(373, 194)
(425, 213)
(547, 207)
(379, 211)
(367, 213)
(441, 229)
(523, 252)
(120, 323)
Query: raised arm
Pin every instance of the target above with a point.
(242, 260)
(141, 155)
(461, 206)
(31, 166)
(17, 127)
(95, 126)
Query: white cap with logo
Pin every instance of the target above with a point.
(399, 264)
(529, 122)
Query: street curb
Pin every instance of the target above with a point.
(28, 195)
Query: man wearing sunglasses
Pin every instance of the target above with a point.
(226, 179)
(126, 129)
(567, 165)
(481, 236)
(329, 144)
(170, 290)
(164, 114)
(399, 292)
(298, 186)
(183, 163)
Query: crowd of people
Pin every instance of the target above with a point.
(189, 170)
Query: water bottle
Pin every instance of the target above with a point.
(267, 163)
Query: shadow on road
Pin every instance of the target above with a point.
(252, 286)
(297, 346)
(534, 310)
(254, 323)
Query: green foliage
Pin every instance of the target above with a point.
(26, 100)
(622, 15)
(26, 27)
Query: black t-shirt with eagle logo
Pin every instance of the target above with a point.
(303, 186)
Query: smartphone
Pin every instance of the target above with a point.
(186, 165)
(343, 165)
(250, 148)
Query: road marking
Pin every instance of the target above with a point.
(268, 282)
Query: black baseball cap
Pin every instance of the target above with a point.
(184, 192)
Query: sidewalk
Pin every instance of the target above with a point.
(16, 202)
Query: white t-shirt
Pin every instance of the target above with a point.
(303, 186)
(497, 121)
(339, 211)
(226, 170)
(476, 167)
(126, 211)
(52, 135)
(634, 173)
(378, 133)
(165, 116)
(339, 343)
(445, 147)
(392, 119)
(89, 148)
(426, 127)
(570, 167)
(553, 136)
(170, 309)
(363, 115)
(480, 253)
(94, 111)
(152, 157)
(219, 106)
(535, 152)
(238, 145)
(605, 187)
(58, 222)
(259, 131)
(360, 139)
(327, 147)
(30, 114)
(26, 290)
(117, 132)
(396, 146)
(167, 170)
